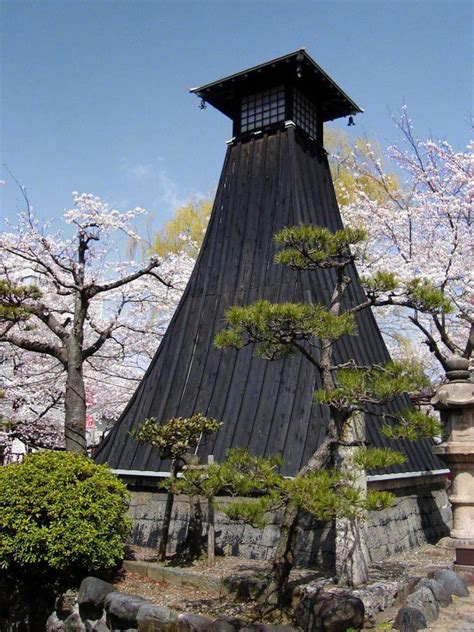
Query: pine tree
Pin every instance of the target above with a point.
(174, 439)
(348, 390)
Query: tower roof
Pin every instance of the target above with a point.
(297, 69)
(268, 182)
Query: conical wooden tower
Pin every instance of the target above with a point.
(275, 174)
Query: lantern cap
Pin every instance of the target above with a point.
(295, 69)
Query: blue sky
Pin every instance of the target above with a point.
(95, 94)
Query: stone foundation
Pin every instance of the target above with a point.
(421, 514)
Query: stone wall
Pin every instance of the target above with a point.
(420, 514)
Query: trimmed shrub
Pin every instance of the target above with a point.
(61, 513)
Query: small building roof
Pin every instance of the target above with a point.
(298, 69)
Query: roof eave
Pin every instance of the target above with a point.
(202, 91)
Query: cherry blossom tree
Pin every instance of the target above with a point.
(420, 228)
(78, 327)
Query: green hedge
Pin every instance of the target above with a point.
(61, 513)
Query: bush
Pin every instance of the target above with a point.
(61, 513)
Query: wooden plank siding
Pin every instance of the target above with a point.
(272, 180)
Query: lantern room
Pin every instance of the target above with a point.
(289, 90)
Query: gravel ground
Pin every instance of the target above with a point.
(416, 562)
(459, 617)
(187, 599)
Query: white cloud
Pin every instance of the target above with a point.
(141, 171)
(168, 192)
(138, 170)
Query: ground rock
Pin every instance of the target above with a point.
(377, 597)
(225, 624)
(96, 626)
(452, 582)
(440, 593)
(122, 610)
(244, 587)
(330, 611)
(193, 623)
(261, 627)
(93, 591)
(54, 623)
(156, 619)
(66, 604)
(74, 623)
(424, 600)
(409, 619)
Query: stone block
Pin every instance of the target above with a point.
(74, 623)
(136, 567)
(156, 619)
(179, 577)
(424, 600)
(440, 593)
(193, 623)
(409, 620)
(334, 611)
(122, 610)
(91, 597)
(224, 624)
(452, 582)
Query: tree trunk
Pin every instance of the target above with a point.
(75, 397)
(211, 532)
(283, 559)
(75, 401)
(352, 555)
(167, 515)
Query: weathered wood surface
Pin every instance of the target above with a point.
(273, 180)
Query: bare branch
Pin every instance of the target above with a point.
(94, 289)
(35, 346)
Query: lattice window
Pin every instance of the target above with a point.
(304, 113)
(262, 108)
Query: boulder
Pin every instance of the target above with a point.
(96, 626)
(424, 600)
(262, 627)
(224, 624)
(155, 618)
(331, 611)
(377, 597)
(54, 623)
(452, 582)
(409, 620)
(93, 591)
(91, 597)
(193, 623)
(440, 593)
(74, 623)
(66, 604)
(122, 610)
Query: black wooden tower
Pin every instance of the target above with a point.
(275, 174)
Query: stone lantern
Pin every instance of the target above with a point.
(455, 401)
